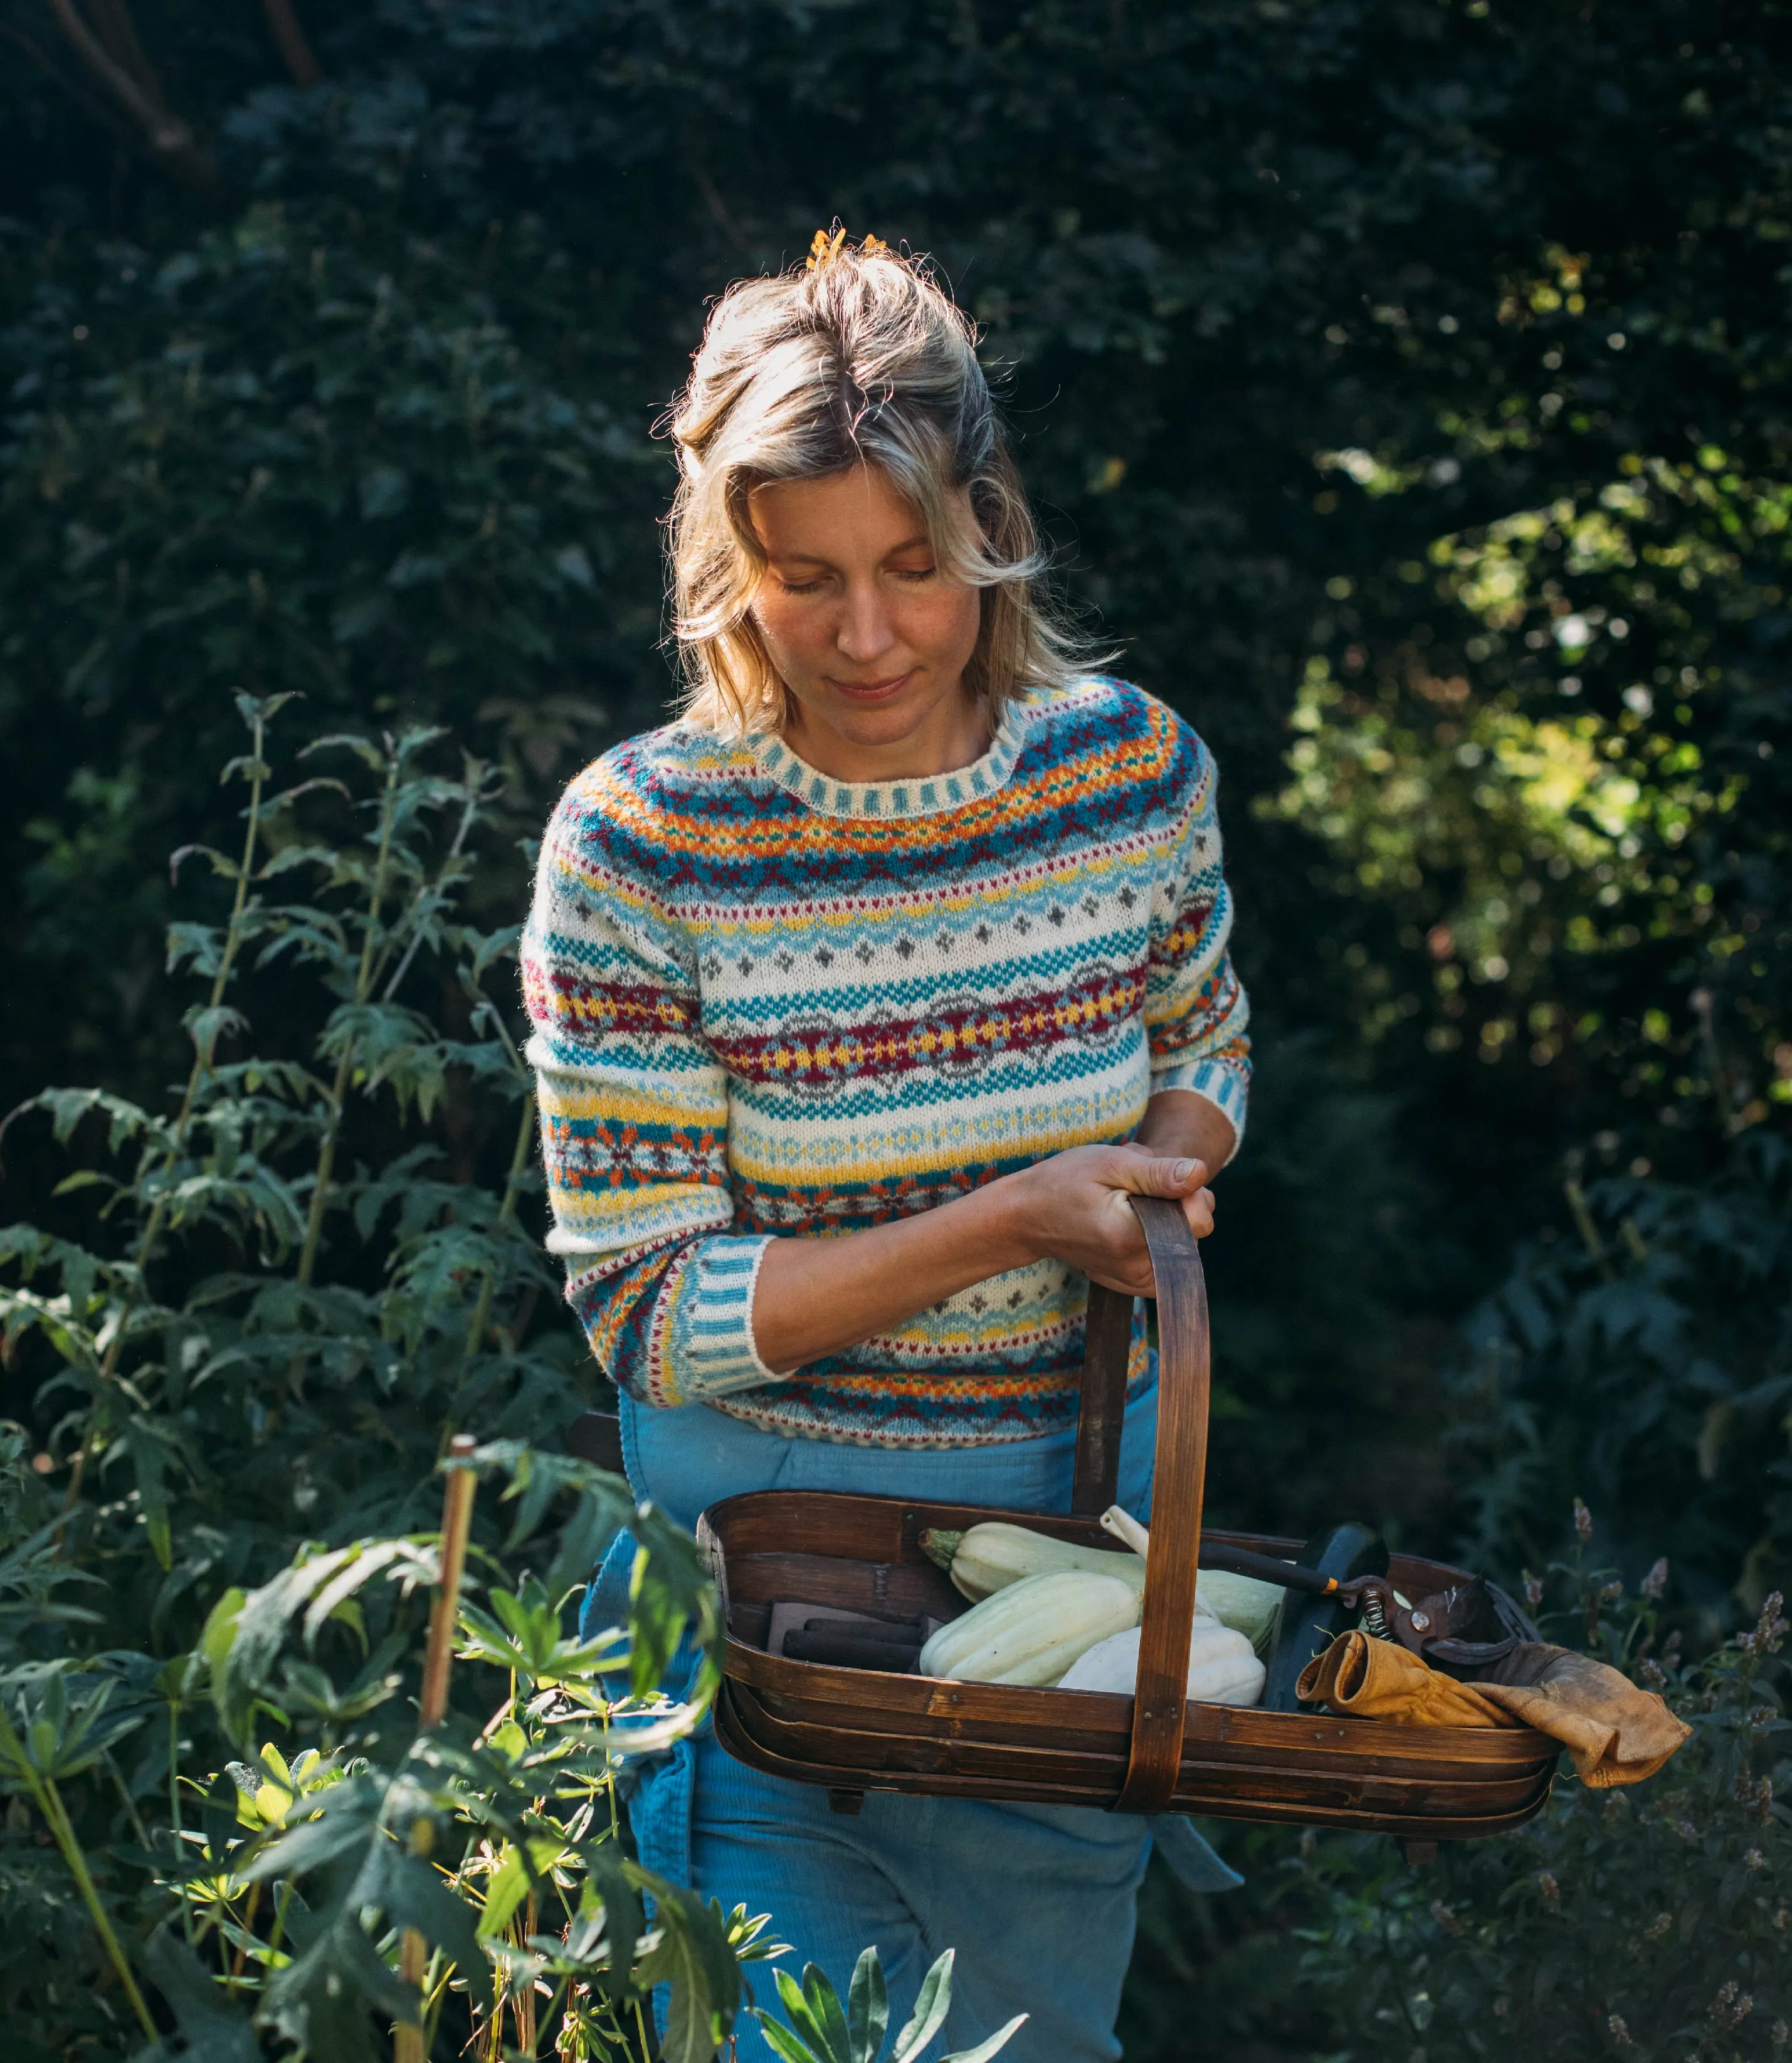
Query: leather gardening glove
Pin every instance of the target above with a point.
(1615, 1731)
(1364, 1678)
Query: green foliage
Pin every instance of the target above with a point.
(216, 1553)
(1555, 783)
(1643, 1362)
(378, 491)
(1650, 1922)
(820, 2032)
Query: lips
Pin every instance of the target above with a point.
(872, 691)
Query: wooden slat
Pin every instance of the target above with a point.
(1180, 1473)
(1101, 1412)
(1412, 1755)
(891, 1590)
(1097, 1778)
(1216, 1801)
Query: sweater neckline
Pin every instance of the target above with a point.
(885, 800)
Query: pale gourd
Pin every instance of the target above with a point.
(1222, 1667)
(1032, 1630)
(988, 1558)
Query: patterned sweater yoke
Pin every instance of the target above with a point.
(766, 1004)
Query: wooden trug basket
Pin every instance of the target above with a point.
(860, 1729)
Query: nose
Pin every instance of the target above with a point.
(865, 631)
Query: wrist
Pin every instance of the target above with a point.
(1009, 1237)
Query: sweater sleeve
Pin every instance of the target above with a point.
(634, 1122)
(1196, 1011)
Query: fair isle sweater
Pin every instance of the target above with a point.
(769, 1004)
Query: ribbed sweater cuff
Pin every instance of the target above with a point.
(702, 1343)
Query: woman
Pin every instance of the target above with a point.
(865, 995)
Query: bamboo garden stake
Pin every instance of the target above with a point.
(457, 1512)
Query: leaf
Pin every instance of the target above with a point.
(986, 2049)
(316, 1586)
(608, 1880)
(261, 709)
(391, 1044)
(144, 1444)
(510, 1883)
(345, 1823)
(505, 1890)
(867, 2010)
(691, 1955)
(931, 2005)
(413, 1893)
(320, 2001)
(213, 2030)
(219, 1629)
(808, 2026)
(82, 1178)
(784, 2044)
(824, 2006)
(221, 864)
(68, 1107)
(367, 749)
(48, 1735)
(206, 1028)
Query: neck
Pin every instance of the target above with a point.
(955, 733)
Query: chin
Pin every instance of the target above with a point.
(895, 723)
(879, 726)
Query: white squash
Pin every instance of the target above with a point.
(988, 1558)
(1031, 1631)
(1222, 1667)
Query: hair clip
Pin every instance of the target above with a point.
(825, 247)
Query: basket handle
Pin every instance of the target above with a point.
(1184, 1374)
(1106, 1343)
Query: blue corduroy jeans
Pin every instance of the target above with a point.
(1037, 1900)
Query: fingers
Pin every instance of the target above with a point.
(1126, 1286)
(1198, 1209)
(1154, 1176)
(1079, 1212)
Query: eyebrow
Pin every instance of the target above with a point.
(921, 542)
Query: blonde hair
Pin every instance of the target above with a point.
(858, 357)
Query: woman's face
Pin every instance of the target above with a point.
(869, 636)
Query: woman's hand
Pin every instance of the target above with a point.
(1073, 1208)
